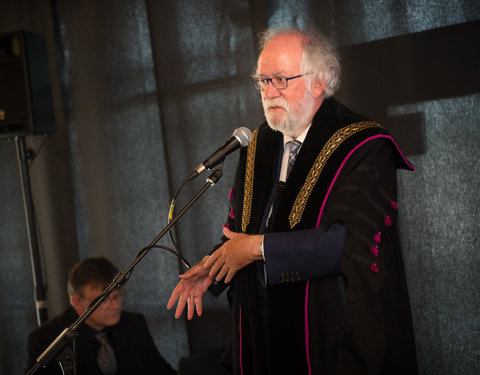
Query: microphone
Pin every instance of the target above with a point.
(241, 137)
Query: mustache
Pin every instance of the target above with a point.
(277, 102)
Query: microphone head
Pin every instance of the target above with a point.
(244, 136)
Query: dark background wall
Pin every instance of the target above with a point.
(145, 90)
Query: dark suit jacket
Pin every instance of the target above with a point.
(134, 347)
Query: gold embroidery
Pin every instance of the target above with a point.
(333, 143)
(248, 182)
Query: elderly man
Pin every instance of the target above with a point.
(110, 341)
(311, 247)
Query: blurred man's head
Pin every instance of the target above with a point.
(87, 280)
(295, 71)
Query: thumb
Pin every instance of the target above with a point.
(188, 274)
(228, 233)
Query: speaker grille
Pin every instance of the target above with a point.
(26, 104)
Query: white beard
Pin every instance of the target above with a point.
(295, 118)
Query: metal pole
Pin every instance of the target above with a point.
(40, 289)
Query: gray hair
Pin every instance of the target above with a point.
(320, 58)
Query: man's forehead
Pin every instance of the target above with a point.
(286, 43)
(275, 73)
(93, 289)
(282, 55)
(278, 64)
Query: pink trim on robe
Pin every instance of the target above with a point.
(320, 216)
(307, 344)
(345, 160)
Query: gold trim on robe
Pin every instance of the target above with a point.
(313, 175)
(327, 151)
(249, 174)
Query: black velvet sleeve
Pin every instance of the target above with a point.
(377, 318)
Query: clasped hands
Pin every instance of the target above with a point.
(240, 250)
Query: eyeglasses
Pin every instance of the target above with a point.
(117, 298)
(279, 82)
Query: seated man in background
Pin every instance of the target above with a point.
(110, 341)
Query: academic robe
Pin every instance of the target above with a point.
(357, 321)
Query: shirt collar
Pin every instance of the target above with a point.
(300, 138)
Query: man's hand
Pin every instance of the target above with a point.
(190, 290)
(240, 250)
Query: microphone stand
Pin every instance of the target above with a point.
(39, 285)
(59, 348)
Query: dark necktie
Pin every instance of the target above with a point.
(292, 147)
(293, 150)
(106, 356)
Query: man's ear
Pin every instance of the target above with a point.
(318, 87)
(76, 302)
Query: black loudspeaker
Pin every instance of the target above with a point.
(26, 104)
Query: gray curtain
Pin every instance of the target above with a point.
(146, 90)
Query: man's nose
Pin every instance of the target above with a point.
(113, 302)
(271, 91)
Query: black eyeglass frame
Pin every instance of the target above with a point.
(259, 86)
